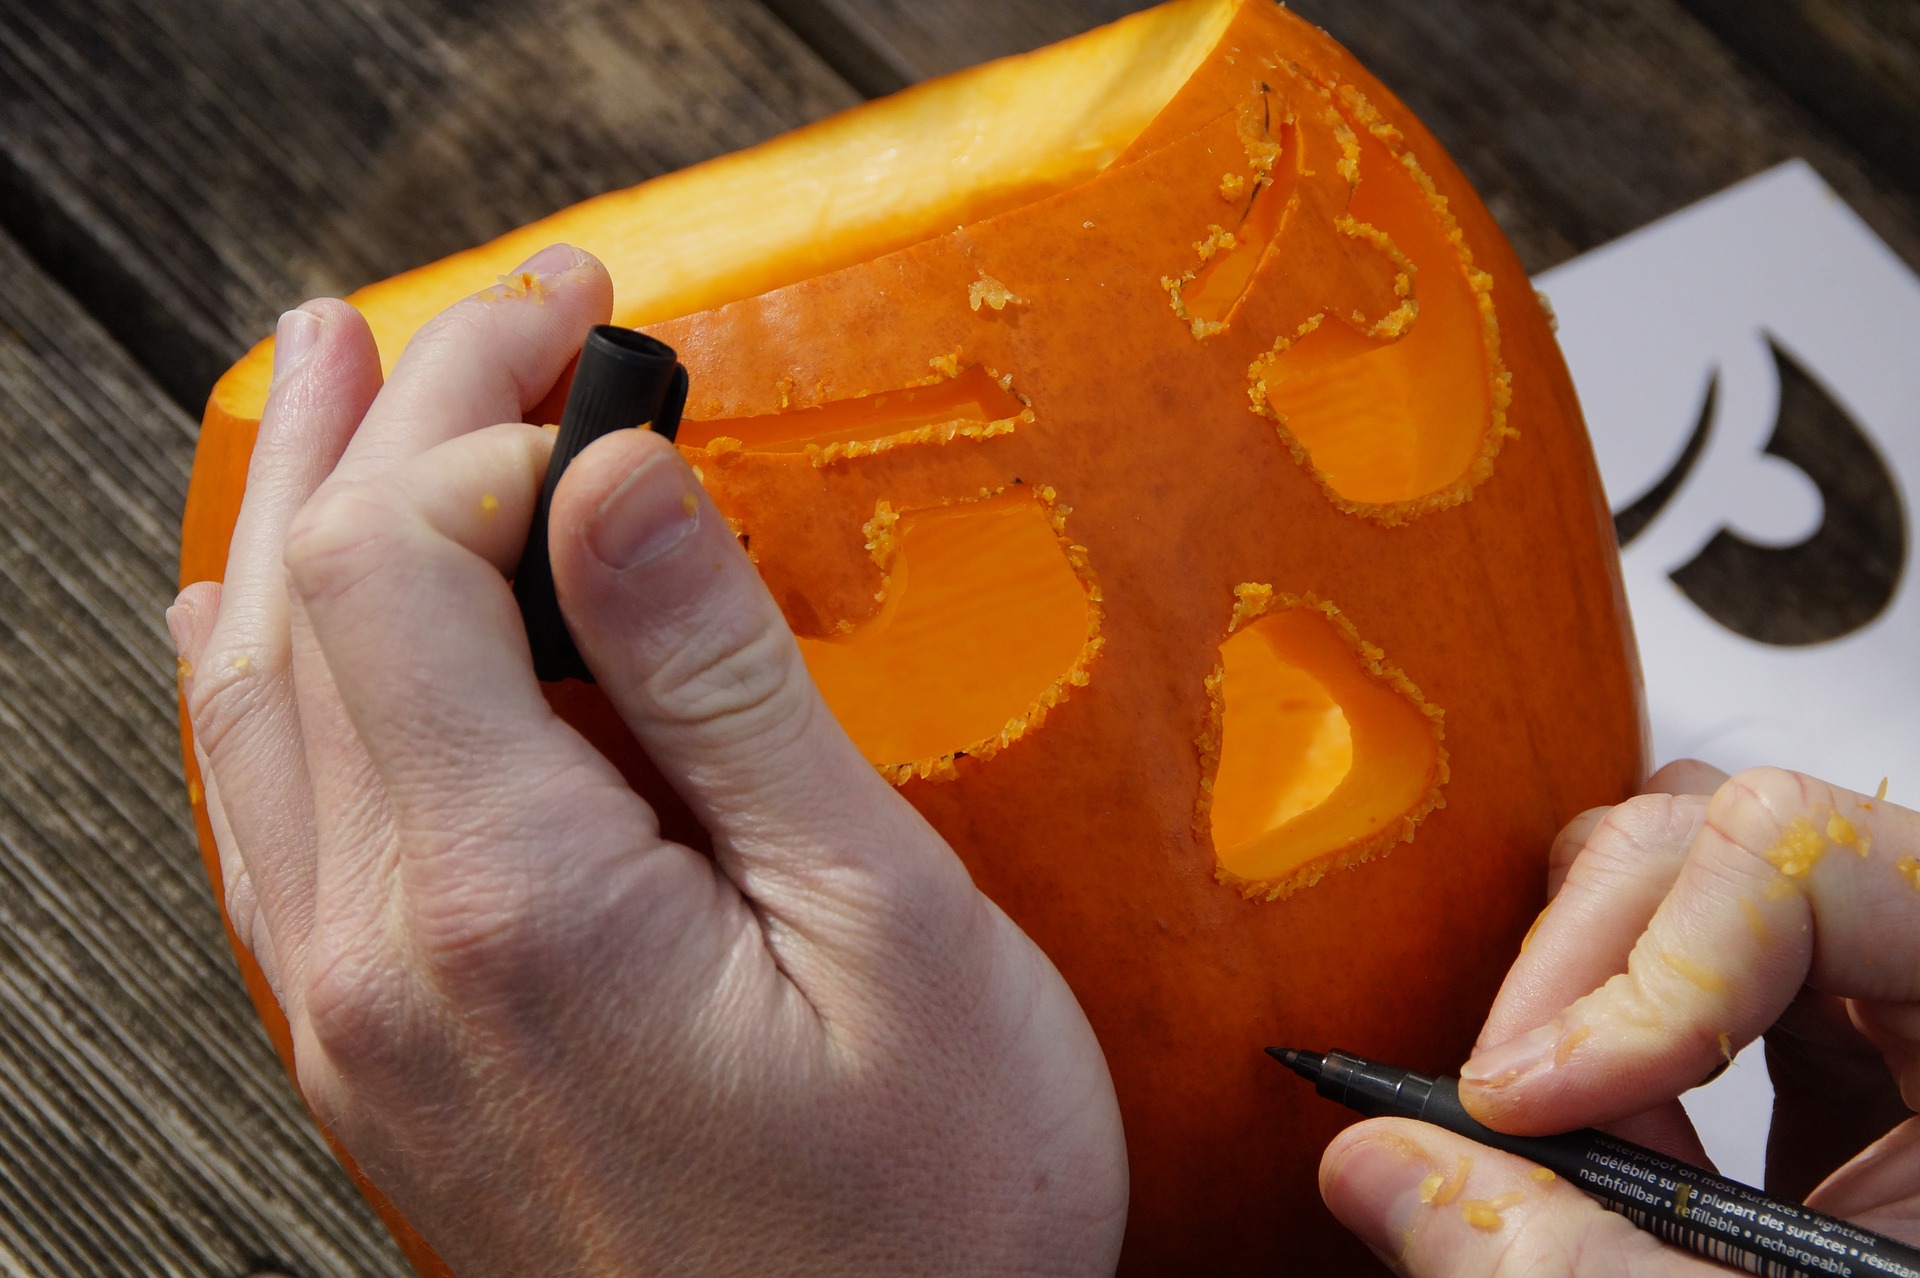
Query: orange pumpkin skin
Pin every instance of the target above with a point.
(1181, 465)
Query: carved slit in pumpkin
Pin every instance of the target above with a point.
(1219, 285)
(972, 404)
(1323, 754)
(985, 622)
(1231, 257)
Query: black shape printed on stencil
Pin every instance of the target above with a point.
(1841, 577)
(1628, 524)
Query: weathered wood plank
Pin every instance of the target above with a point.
(145, 1126)
(849, 44)
(190, 169)
(933, 37)
(1854, 64)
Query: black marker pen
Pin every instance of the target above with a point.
(1684, 1205)
(624, 379)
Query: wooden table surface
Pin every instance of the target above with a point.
(174, 173)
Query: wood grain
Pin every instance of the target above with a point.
(1852, 64)
(845, 41)
(190, 169)
(145, 1126)
(934, 37)
(1581, 120)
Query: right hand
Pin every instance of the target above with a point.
(559, 1042)
(1684, 924)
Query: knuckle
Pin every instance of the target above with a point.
(1769, 793)
(250, 928)
(320, 1087)
(489, 918)
(478, 933)
(1755, 814)
(738, 685)
(474, 324)
(484, 911)
(1687, 776)
(224, 695)
(501, 931)
(359, 1003)
(1648, 834)
(1573, 839)
(1642, 825)
(243, 908)
(338, 537)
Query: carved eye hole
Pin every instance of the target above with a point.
(1327, 753)
(984, 624)
(1398, 405)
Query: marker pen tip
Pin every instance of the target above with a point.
(1307, 1065)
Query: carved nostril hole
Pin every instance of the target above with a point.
(1287, 743)
(1327, 753)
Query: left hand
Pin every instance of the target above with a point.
(560, 1042)
(1684, 923)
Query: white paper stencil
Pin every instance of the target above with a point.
(1775, 274)
(1685, 339)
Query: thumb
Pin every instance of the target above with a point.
(697, 658)
(1432, 1204)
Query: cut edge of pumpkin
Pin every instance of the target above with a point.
(1352, 105)
(883, 545)
(1253, 602)
(1014, 131)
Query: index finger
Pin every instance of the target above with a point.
(488, 358)
(1607, 873)
(1789, 881)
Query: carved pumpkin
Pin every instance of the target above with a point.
(1202, 535)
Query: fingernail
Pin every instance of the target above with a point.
(180, 627)
(292, 339)
(652, 511)
(555, 259)
(1377, 1193)
(1504, 1063)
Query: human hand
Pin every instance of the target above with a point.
(1684, 923)
(559, 1042)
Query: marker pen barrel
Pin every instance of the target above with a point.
(1686, 1206)
(623, 379)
